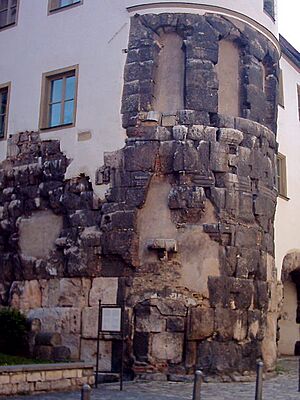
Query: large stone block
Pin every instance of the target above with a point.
(25, 295)
(149, 319)
(201, 324)
(58, 319)
(90, 322)
(88, 353)
(104, 289)
(65, 292)
(167, 346)
(35, 240)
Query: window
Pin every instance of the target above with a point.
(8, 12)
(59, 93)
(228, 71)
(4, 102)
(56, 5)
(269, 8)
(298, 96)
(281, 91)
(169, 75)
(281, 175)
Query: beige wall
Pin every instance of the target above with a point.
(287, 219)
(289, 329)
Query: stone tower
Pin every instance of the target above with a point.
(195, 189)
(185, 235)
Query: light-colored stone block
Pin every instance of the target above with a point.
(24, 387)
(18, 377)
(35, 376)
(38, 233)
(42, 386)
(61, 384)
(6, 389)
(25, 295)
(167, 346)
(4, 379)
(89, 352)
(53, 375)
(58, 319)
(104, 289)
(69, 373)
(90, 322)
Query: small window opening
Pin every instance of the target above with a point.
(228, 71)
(281, 175)
(269, 8)
(170, 74)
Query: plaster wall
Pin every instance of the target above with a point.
(289, 329)
(287, 218)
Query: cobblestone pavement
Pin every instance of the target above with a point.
(282, 387)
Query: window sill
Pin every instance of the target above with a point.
(63, 8)
(283, 197)
(57, 127)
(4, 27)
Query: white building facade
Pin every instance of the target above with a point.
(68, 74)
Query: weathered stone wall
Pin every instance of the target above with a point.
(185, 235)
(204, 291)
(50, 264)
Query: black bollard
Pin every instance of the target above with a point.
(86, 392)
(197, 385)
(259, 380)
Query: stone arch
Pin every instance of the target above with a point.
(228, 71)
(289, 341)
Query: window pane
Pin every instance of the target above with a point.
(2, 125)
(3, 4)
(64, 3)
(70, 88)
(3, 101)
(69, 112)
(13, 3)
(13, 13)
(3, 18)
(56, 91)
(55, 110)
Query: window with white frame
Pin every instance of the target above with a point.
(4, 102)
(56, 5)
(59, 94)
(8, 12)
(281, 175)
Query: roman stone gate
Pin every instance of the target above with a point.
(185, 235)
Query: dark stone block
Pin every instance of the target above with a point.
(261, 295)
(141, 346)
(141, 156)
(175, 324)
(131, 104)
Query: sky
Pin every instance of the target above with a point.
(288, 20)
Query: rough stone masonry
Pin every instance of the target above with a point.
(185, 235)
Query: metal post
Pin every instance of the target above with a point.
(259, 380)
(98, 344)
(122, 344)
(86, 392)
(197, 385)
(299, 375)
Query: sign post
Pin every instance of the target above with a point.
(111, 321)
